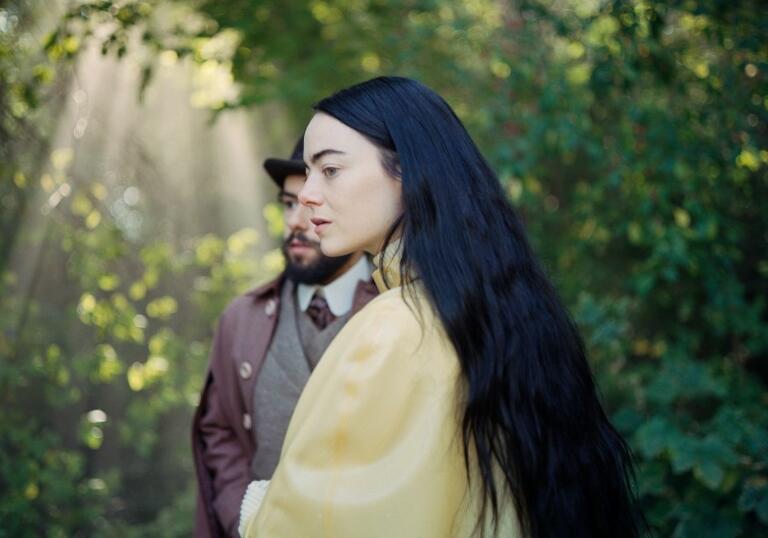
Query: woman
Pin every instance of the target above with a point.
(459, 402)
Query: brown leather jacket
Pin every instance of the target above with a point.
(222, 442)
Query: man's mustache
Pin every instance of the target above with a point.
(301, 238)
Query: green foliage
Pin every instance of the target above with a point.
(128, 357)
(630, 135)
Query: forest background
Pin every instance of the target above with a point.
(631, 136)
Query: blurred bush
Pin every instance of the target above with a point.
(630, 135)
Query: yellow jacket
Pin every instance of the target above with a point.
(374, 445)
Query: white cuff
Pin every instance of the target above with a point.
(251, 502)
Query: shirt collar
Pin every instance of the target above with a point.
(340, 294)
(387, 274)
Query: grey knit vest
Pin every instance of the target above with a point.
(296, 348)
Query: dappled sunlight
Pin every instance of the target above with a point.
(144, 213)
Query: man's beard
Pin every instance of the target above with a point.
(317, 271)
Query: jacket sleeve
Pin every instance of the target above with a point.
(223, 457)
(372, 448)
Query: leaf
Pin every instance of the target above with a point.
(754, 496)
(653, 437)
(708, 526)
(651, 478)
(709, 473)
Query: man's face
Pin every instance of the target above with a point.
(305, 261)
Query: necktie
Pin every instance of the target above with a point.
(319, 312)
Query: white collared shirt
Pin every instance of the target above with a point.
(340, 294)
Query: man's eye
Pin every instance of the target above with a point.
(330, 171)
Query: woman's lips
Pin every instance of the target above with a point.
(320, 224)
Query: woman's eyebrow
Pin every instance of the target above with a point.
(325, 152)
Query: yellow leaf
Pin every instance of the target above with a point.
(273, 261)
(87, 303)
(500, 69)
(240, 241)
(136, 333)
(99, 191)
(156, 366)
(53, 352)
(533, 185)
(162, 308)
(31, 491)
(274, 217)
(137, 290)
(61, 158)
(47, 183)
(325, 13)
(71, 44)
(157, 343)
(109, 365)
(109, 281)
(81, 205)
(151, 277)
(120, 301)
(748, 159)
(579, 74)
(515, 189)
(635, 232)
(682, 217)
(370, 62)
(93, 219)
(135, 376)
(62, 376)
(94, 437)
(641, 346)
(575, 50)
(701, 70)
(209, 249)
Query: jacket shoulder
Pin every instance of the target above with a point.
(267, 287)
(253, 298)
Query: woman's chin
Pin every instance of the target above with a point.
(333, 250)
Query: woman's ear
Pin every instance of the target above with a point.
(390, 160)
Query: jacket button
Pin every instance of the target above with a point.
(246, 370)
(270, 307)
(246, 421)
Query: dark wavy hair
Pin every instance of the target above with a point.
(531, 404)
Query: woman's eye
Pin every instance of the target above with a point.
(330, 171)
(289, 204)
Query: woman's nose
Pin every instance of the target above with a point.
(309, 195)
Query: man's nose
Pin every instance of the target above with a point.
(298, 218)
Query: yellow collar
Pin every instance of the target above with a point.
(387, 274)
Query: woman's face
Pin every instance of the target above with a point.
(354, 202)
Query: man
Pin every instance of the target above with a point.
(264, 349)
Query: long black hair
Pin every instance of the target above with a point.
(531, 406)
